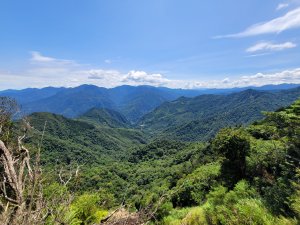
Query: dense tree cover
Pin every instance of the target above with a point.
(257, 181)
(68, 140)
(200, 118)
(106, 117)
(131, 101)
(111, 159)
(244, 175)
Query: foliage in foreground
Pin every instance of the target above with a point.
(245, 175)
(258, 181)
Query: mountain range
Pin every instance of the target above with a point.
(199, 118)
(138, 143)
(132, 101)
(185, 115)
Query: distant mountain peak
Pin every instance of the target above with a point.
(132, 101)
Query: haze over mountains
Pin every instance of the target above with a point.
(201, 117)
(156, 140)
(104, 123)
(153, 112)
(132, 101)
(185, 115)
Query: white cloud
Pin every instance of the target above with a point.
(282, 6)
(290, 20)
(226, 80)
(99, 74)
(258, 55)
(37, 57)
(269, 46)
(113, 78)
(141, 77)
(259, 79)
(73, 74)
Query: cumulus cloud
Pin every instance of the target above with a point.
(226, 80)
(290, 20)
(269, 46)
(99, 74)
(141, 77)
(282, 6)
(70, 75)
(259, 79)
(113, 78)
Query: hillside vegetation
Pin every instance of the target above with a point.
(199, 118)
(133, 102)
(105, 117)
(69, 140)
(242, 175)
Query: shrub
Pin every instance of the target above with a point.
(87, 209)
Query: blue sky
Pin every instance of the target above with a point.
(174, 43)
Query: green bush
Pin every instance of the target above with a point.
(192, 189)
(195, 217)
(242, 205)
(234, 145)
(87, 209)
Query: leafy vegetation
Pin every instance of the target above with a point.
(200, 118)
(105, 117)
(260, 185)
(244, 175)
(133, 102)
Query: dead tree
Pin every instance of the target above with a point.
(21, 190)
(21, 200)
(65, 179)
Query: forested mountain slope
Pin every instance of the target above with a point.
(105, 117)
(199, 118)
(132, 101)
(245, 175)
(72, 102)
(256, 180)
(68, 140)
(31, 94)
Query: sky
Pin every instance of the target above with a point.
(172, 43)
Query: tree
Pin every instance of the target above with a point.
(234, 145)
(21, 199)
(8, 108)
